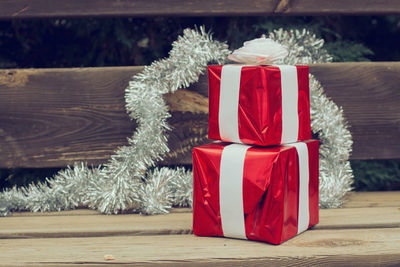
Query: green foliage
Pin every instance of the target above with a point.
(342, 51)
(21, 177)
(376, 175)
(139, 41)
(77, 43)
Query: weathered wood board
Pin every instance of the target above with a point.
(10, 9)
(54, 117)
(372, 199)
(349, 236)
(79, 223)
(189, 248)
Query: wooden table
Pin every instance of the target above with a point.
(365, 232)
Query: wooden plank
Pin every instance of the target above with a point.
(84, 226)
(344, 237)
(354, 200)
(54, 117)
(51, 114)
(94, 8)
(311, 246)
(373, 199)
(363, 210)
(370, 97)
(65, 224)
(70, 224)
(332, 260)
(80, 212)
(357, 218)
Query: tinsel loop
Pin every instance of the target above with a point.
(327, 119)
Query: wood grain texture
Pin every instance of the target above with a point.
(332, 260)
(372, 199)
(190, 249)
(369, 94)
(28, 239)
(79, 223)
(93, 8)
(60, 226)
(55, 117)
(354, 200)
(48, 117)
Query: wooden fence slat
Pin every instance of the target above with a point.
(54, 117)
(380, 246)
(369, 93)
(10, 9)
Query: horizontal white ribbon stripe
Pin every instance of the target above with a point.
(231, 190)
(229, 103)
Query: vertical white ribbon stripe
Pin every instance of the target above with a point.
(229, 103)
(304, 177)
(231, 190)
(290, 92)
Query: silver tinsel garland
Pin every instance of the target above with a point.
(125, 183)
(327, 120)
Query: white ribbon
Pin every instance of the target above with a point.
(304, 177)
(290, 98)
(231, 189)
(229, 103)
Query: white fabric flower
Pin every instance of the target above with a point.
(261, 51)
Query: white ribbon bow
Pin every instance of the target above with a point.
(260, 51)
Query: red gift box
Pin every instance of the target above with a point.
(262, 105)
(257, 193)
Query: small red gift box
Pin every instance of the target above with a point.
(266, 194)
(262, 105)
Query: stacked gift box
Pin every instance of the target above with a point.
(260, 181)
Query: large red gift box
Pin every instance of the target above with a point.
(262, 105)
(257, 193)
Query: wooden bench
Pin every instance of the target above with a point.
(365, 232)
(44, 118)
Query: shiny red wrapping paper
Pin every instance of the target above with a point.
(270, 191)
(260, 104)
